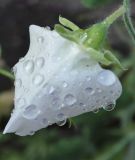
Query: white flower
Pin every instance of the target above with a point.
(57, 80)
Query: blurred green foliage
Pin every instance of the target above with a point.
(95, 3)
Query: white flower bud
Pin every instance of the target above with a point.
(57, 80)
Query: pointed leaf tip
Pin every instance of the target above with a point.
(65, 22)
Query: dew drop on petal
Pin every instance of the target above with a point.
(45, 122)
(55, 101)
(21, 102)
(109, 106)
(15, 70)
(65, 84)
(96, 110)
(83, 37)
(21, 59)
(51, 90)
(82, 104)
(40, 62)
(48, 28)
(61, 123)
(31, 112)
(40, 39)
(69, 99)
(88, 78)
(38, 79)
(29, 66)
(99, 90)
(31, 133)
(60, 117)
(89, 90)
(18, 83)
(106, 78)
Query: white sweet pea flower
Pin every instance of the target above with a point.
(57, 80)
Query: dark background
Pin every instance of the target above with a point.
(102, 136)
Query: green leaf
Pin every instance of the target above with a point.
(65, 22)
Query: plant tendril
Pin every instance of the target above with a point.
(128, 21)
(7, 74)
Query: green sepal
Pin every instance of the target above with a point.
(65, 22)
(113, 59)
(105, 57)
(93, 38)
(64, 32)
(75, 36)
(96, 35)
(98, 56)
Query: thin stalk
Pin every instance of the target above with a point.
(114, 16)
(128, 21)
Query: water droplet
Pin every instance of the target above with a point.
(51, 90)
(12, 112)
(45, 122)
(89, 90)
(61, 123)
(18, 83)
(29, 66)
(55, 101)
(31, 112)
(38, 79)
(82, 104)
(15, 70)
(106, 78)
(40, 39)
(97, 101)
(110, 106)
(21, 59)
(104, 97)
(21, 102)
(31, 133)
(99, 90)
(40, 62)
(88, 78)
(65, 84)
(69, 99)
(61, 106)
(83, 37)
(96, 110)
(61, 117)
(48, 28)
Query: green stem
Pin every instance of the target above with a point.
(128, 21)
(109, 20)
(7, 74)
